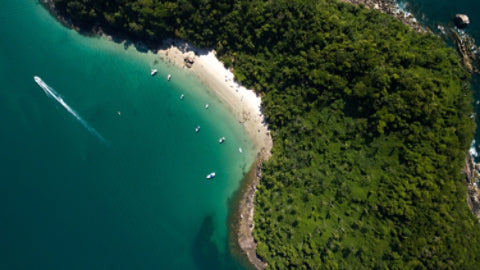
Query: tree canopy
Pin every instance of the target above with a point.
(370, 123)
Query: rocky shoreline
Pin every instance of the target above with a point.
(469, 56)
(471, 176)
(465, 44)
(468, 50)
(50, 6)
(390, 7)
(243, 244)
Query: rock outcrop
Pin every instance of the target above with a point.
(390, 7)
(468, 51)
(473, 193)
(461, 20)
(189, 60)
(245, 216)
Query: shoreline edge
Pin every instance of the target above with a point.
(246, 108)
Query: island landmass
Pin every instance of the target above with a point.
(370, 122)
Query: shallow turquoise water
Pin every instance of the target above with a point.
(138, 201)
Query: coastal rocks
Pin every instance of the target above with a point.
(468, 51)
(391, 7)
(244, 231)
(188, 60)
(461, 21)
(473, 193)
(244, 117)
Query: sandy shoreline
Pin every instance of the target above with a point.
(244, 103)
(246, 106)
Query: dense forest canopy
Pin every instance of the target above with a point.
(370, 122)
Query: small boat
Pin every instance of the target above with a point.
(169, 77)
(222, 139)
(182, 96)
(211, 175)
(153, 72)
(240, 150)
(206, 106)
(197, 129)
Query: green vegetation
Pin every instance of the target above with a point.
(370, 123)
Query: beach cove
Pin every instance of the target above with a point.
(246, 106)
(139, 201)
(348, 138)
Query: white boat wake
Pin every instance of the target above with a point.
(50, 92)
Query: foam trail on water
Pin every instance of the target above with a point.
(49, 91)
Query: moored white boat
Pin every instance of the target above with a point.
(153, 72)
(197, 129)
(211, 175)
(169, 77)
(222, 139)
(206, 106)
(182, 96)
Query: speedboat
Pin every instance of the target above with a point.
(211, 175)
(153, 72)
(206, 106)
(240, 150)
(197, 129)
(182, 96)
(169, 77)
(222, 139)
(37, 80)
(43, 85)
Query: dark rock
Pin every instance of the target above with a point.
(473, 193)
(189, 60)
(461, 20)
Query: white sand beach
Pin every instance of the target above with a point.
(245, 104)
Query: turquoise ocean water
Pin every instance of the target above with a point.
(140, 199)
